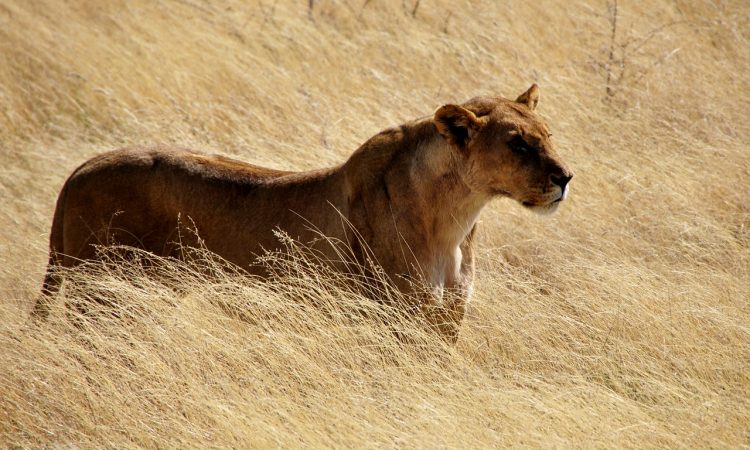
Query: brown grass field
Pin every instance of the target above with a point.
(621, 321)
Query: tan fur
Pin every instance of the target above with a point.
(412, 193)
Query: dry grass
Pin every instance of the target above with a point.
(622, 321)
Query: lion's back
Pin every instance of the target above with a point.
(135, 196)
(174, 160)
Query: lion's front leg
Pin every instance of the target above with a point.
(449, 312)
(446, 314)
(441, 309)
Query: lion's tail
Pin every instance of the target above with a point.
(56, 250)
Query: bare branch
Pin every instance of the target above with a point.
(612, 42)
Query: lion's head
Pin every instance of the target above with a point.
(504, 148)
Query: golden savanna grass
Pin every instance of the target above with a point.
(622, 321)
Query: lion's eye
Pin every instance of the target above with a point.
(519, 145)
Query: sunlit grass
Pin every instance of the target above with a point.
(620, 321)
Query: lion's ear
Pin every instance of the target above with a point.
(456, 124)
(530, 98)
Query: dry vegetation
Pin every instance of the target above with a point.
(622, 321)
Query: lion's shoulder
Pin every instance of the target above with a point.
(390, 147)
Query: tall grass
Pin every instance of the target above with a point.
(621, 321)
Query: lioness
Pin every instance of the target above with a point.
(409, 198)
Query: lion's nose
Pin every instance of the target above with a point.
(561, 180)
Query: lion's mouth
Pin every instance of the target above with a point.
(543, 209)
(531, 204)
(543, 204)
